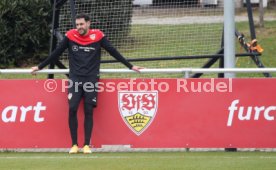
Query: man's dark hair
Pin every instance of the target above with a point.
(83, 15)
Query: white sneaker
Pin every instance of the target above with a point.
(86, 149)
(74, 149)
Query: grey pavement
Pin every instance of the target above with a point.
(189, 19)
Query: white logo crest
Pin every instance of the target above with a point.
(70, 95)
(138, 109)
(93, 36)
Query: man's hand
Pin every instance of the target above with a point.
(137, 68)
(34, 69)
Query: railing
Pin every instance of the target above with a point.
(185, 71)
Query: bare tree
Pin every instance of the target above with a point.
(239, 4)
(261, 13)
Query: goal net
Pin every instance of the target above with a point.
(156, 29)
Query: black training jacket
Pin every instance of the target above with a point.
(84, 52)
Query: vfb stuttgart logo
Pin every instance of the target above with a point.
(138, 109)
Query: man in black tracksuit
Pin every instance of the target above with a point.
(84, 47)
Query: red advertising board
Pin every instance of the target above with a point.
(143, 113)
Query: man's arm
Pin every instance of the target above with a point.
(113, 52)
(56, 53)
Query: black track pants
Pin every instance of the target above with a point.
(76, 92)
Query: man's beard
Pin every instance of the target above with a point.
(82, 31)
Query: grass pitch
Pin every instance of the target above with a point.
(140, 161)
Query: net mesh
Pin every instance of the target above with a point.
(156, 29)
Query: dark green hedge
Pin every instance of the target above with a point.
(25, 31)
